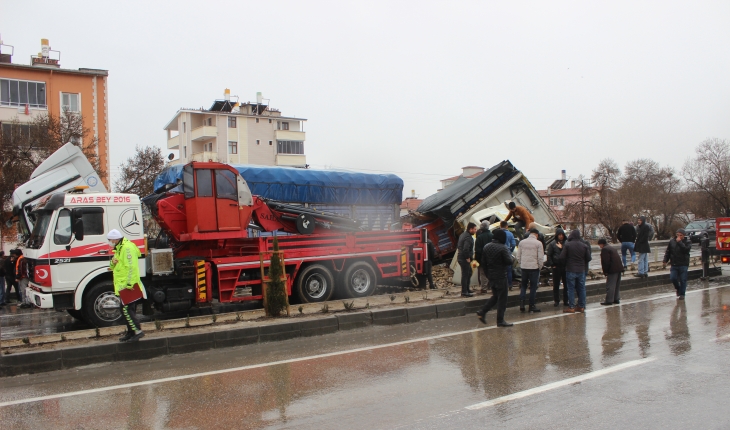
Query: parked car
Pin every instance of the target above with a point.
(700, 229)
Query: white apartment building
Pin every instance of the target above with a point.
(237, 133)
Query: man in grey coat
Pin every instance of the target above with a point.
(531, 257)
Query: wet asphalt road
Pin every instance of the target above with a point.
(651, 362)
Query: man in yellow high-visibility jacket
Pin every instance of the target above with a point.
(126, 274)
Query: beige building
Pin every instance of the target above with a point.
(237, 133)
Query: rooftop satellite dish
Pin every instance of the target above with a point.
(171, 156)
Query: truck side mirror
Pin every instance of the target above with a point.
(79, 229)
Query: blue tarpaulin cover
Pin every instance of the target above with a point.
(291, 185)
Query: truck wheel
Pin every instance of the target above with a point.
(78, 315)
(101, 306)
(315, 284)
(359, 280)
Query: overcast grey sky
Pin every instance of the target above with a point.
(415, 88)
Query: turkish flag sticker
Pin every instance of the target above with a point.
(43, 276)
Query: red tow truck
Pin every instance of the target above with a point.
(204, 252)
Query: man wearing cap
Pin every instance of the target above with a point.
(495, 260)
(678, 254)
(531, 256)
(126, 274)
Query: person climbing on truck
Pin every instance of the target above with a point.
(522, 218)
(126, 275)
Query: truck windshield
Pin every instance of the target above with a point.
(39, 229)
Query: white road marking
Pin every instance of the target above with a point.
(318, 356)
(718, 339)
(558, 384)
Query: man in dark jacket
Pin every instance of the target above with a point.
(484, 237)
(644, 232)
(576, 256)
(626, 234)
(2, 278)
(613, 268)
(465, 249)
(678, 253)
(557, 266)
(10, 277)
(495, 260)
(428, 264)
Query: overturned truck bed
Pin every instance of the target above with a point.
(484, 198)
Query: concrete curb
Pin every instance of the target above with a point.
(111, 351)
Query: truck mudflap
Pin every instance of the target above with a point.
(38, 299)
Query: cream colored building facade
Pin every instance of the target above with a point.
(237, 133)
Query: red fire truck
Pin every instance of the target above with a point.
(204, 252)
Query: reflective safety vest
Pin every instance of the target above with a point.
(126, 270)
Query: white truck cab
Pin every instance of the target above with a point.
(63, 170)
(68, 253)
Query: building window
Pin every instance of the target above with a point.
(557, 201)
(12, 130)
(21, 93)
(231, 122)
(271, 143)
(258, 142)
(185, 152)
(257, 120)
(208, 147)
(210, 121)
(284, 126)
(71, 102)
(233, 147)
(289, 147)
(183, 127)
(269, 121)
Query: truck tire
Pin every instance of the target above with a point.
(315, 284)
(77, 314)
(359, 280)
(101, 306)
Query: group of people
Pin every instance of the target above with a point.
(13, 274)
(567, 257)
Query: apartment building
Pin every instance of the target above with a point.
(237, 133)
(42, 87)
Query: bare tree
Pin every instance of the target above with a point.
(606, 207)
(140, 170)
(25, 145)
(708, 173)
(655, 192)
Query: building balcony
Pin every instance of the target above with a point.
(204, 133)
(205, 156)
(173, 142)
(290, 135)
(291, 160)
(174, 162)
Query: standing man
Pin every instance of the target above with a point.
(126, 274)
(626, 234)
(678, 253)
(644, 232)
(531, 256)
(576, 256)
(612, 268)
(484, 237)
(9, 267)
(21, 279)
(496, 259)
(465, 248)
(557, 265)
(2, 278)
(428, 264)
(510, 244)
(522, 218)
